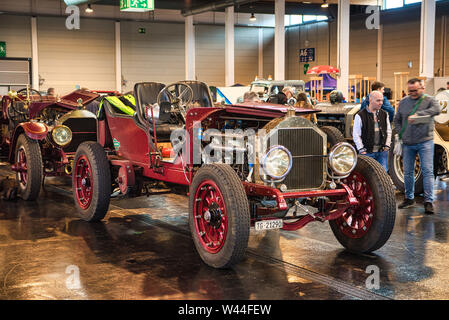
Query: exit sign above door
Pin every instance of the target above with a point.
(136, 5)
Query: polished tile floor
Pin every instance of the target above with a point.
(143, 250)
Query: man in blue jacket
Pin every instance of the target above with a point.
(379, 86)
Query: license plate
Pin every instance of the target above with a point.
(268, 224)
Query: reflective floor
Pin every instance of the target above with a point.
(143, 250)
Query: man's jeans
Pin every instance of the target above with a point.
(381, 157)
(425, 151)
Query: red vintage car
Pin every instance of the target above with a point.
(260, 166)
(40, 134)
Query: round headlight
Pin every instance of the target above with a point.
(342, 158)
(277, 162)
(62, 135)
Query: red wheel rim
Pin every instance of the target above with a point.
(356, 221)
(210, 217)
(21, 167)
(83, 182)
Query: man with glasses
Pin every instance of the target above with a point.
(414, 123)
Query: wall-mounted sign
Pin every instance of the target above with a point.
(136, 5)
(2, 49)
(142, 30)
(307, 55)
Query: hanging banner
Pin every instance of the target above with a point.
(136, 5)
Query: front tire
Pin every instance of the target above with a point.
(91, 182)
(219, 217)
(28, 160)
(367, 227)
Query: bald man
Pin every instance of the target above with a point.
(372, 130)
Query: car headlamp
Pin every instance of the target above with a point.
(342, 158)
(62, 135)
(277, 162)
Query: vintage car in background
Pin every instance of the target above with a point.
(40, 134)
(339, 115)
(441, 150)
(276, 171)
(267, 88)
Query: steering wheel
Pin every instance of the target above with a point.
(178, 93)
(26, 102)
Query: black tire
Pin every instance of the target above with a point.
(30, 189)
(395, 170)
(384, 213)
(334, 136)
(237, 212)
(92, 153)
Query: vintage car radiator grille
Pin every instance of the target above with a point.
(83, 129)
(306, 147)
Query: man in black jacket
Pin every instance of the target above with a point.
(372, 130)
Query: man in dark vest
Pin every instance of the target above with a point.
(372, 130)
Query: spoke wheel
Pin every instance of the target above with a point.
(366, 227)
(91, 181)
(356, 222)
(28, 166)
(219, 216)
(83, 182)
(210, 216)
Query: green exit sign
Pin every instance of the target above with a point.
(142, 30)
(136, 5)
(2, 49)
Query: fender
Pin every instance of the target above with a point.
(34, 131)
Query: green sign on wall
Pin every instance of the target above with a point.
(2, 49)
(136, 5)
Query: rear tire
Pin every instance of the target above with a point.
(367, 227)
(91, 182)
(28, 153)
(219, 217)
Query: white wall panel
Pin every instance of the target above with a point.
(16, 32)
(157, 55)
(83, 57)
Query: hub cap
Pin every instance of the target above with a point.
(210, 217)
(83, 182)
(356, 222)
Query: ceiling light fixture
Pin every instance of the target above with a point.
(89, 9)
(253, 17)
(324, 4)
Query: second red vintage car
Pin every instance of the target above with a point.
(260, 166)
(40, 134)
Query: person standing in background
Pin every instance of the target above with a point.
(414, 121)
(372, 130)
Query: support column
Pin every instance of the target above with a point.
(279, 40)
(190, 49)
(34, 55)
(229, 47)
(260, 68)
(380, 36)
(343, 46)
(118, 58)
(427, 42)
